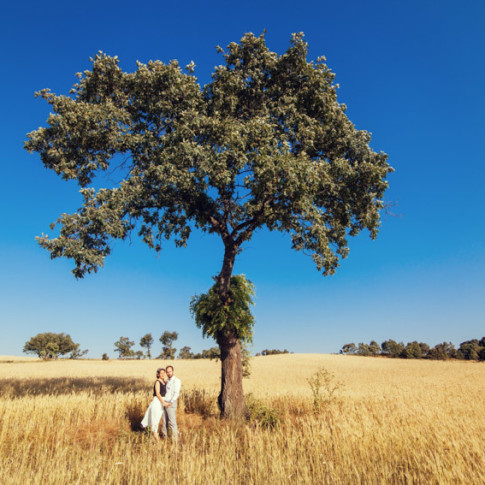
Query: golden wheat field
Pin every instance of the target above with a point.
(388, 421)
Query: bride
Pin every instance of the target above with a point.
(154, 412)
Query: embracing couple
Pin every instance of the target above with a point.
(166, 391)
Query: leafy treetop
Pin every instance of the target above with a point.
(215, 319)
(264, 144)
(50, 345)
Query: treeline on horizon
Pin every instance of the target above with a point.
(468, 350)
(50, 345)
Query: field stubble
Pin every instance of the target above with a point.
(391, 421)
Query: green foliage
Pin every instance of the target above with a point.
(105, 357)
(147, 341)
(374, 348)
(168, 351)
(413, 351)
(186, 353)
(123, 347)
(363, 349)
(424, 349)
(77, 353)
(214, 353)
(392, 348)
(469, 350)
(265, 144)
(443, 351)
(481, 354)
(349, 349)
(261, 414)
(273, 352)
(216, 318)
(323, 386)
(51, 345)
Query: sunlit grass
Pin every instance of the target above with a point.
(391, 421)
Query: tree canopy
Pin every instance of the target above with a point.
(147, 341)
(124, 348)
(168, 350)
(264, 144)
(50, 345)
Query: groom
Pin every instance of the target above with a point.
(169, 416)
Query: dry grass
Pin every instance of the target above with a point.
(393, 421)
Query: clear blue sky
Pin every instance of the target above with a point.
(412, 73)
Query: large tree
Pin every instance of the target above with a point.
(265, 144)
(147, 341)
(51, 345)
(124, 348)
(168, 350)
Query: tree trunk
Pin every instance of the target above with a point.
(231, 398)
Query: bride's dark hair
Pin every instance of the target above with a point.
(159, 370)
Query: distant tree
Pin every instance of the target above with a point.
(374, 348)
(412, 351)
(138, 355)
(273, 352)
(214, 353)
(185, 353)
(147, 341)
(123, 347)
(481, 354)
(469, 350)
(363, 349)
(392, 349)
(50, 345)
(105, 357)
(167, 339)
(349, 349)
(77, 353)
(443, 351)
(424, 349)
(386, 347)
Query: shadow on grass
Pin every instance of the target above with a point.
(134, 412)
(16, 388)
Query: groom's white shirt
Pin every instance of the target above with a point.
(173, 390)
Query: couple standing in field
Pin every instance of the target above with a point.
(166, 391)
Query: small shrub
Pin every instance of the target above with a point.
(198, 401)
(323, 386)
(263, 415)
(105, 357)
